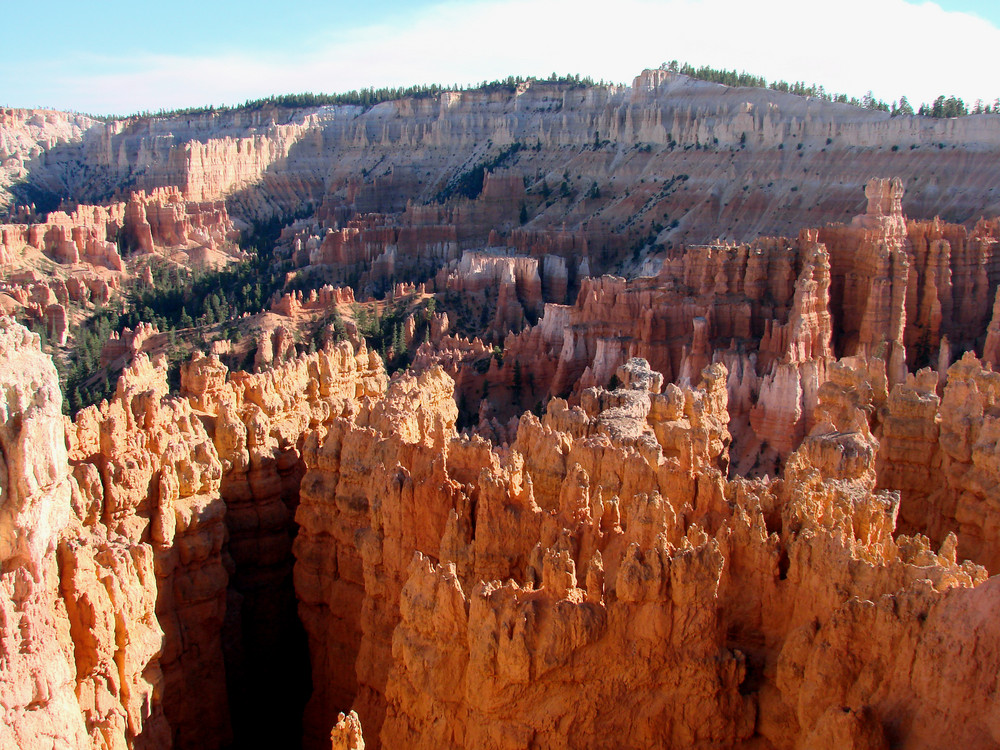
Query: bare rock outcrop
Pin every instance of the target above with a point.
(96, 234)
(600, 567)
(346, 733)
(939, 452)
(81, 639)
(737, 514)
(258, 421)
(154, 477)
(509, 285)
(621, 543)
(123, 551)
(164, 218)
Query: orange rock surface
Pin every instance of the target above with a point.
(599, 577)
(151, 476)
(81, 640)
(939, 451)
(622, 543)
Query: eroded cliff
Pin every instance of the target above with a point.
(600, 577)
(734, 163)
(81, 640)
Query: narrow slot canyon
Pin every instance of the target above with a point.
(264, 643)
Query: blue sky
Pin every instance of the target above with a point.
(988, 9)
(117, 57)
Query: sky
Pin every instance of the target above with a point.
(118, 57)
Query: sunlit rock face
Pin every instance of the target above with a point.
(737, 183)
(606, 545)
(81, 642)
(457, 592)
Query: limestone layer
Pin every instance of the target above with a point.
(718, 161)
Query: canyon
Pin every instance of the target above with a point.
(575, 417)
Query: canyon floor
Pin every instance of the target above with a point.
(551, 415)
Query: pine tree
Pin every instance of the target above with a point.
(398, 346)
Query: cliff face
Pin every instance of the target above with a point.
(776, 312)
(938, 452)
(151, 477)
(599, 159)
(133, 557)
(383, 469)
(91, 234)
(81, 641)
(258, 422)
(600, 568)
(31, 137)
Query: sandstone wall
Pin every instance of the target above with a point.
(775, 312)
(156, 546)
(939, 453)
(151, 476)
(258, 422)
(599, 576)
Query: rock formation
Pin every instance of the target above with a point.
(716, 504)
(165, 218)
(81, 640)
(629, 148)
(121, 551)
(88, 244)
(258, 421)
(152, 478)
(91, 233)
(702, 583)
(775, 312)
(606, 534)
(939, 453)
(346, 733)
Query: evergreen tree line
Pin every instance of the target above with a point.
(383, 331)
(180, 298)
(941, 107)
(81, 383)
(951, 106)
(366, 97)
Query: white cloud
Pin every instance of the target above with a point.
(889, 46)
